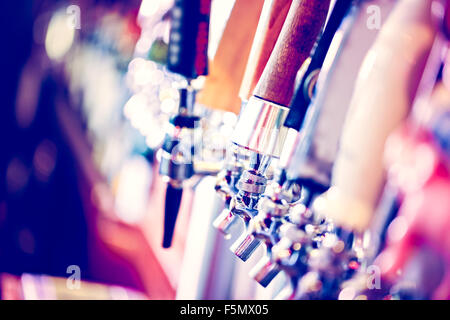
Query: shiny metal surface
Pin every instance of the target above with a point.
(260, 127)
(224, 221)
(265, 271)
(245, 246)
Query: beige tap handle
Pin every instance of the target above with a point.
(295, 42)
(221, 86)
(384, 91)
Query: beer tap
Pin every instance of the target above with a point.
(187, 56)
(312, 148)
(309, 156)
(176, 164)
(270, 22)
(382, 99)
(412, 263)
(289, 255)
(416, 255)
(260, 126)
(275, 205)
(428, 93)
(293, 184)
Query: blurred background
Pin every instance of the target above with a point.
(84, 109)
(89, 106)
(69, 156)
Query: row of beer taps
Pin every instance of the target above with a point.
(314, 214)
(326, 86)
(277, 213)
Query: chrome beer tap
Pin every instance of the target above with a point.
(260, 127)
(313, 182)
(312, 149)
(251, 185)
(265, 227)
(227, 189)
(289, 256)
(270, 22)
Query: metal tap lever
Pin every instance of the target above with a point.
(269, 27)
(244, 205)
(226, 187)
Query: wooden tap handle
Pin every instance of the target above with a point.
(298, 35)
(270, 23)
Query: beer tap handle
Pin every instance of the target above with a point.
(269, 26)
(187, 56)
(222, 85)
(260, 126)
(385, 87)
(295, 42)
(188, 44)
(305, 91)
(271, 21)
(172, 206)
